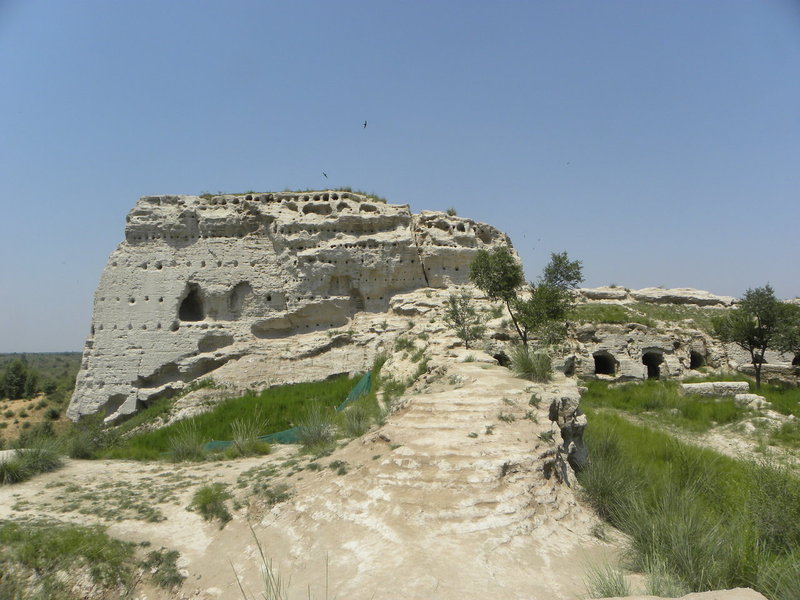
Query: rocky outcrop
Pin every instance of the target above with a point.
(657, 296)
(566, 413)
(200, 281)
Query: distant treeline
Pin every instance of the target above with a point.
(27, 375)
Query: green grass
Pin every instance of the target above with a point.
(787, 435)
(645, 313)
(699, 316)
(784, 399)
(282, 407)
(529, 364)
(162, 564)
(209, 503)
(46, 551)
(606, 581)
(707, 521)
(41, 455)
(606, 313)
(661, 398)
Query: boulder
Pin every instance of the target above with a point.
(604, 293)
(714, 389)
(753, 401)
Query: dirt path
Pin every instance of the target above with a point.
(447, 500)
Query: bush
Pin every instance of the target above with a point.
(534, 366)
(89, 436)
(162, 565)
(12, 470)
(42, 455)
(245, 432)
(357, 419)
(316, 429)
(606, 581)
(209, 502)
(274, 494)
(187, 444)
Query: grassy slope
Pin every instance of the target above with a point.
(283, 407)
(710, 521)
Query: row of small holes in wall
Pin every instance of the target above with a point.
(157, 326)
(188, 263)
(276, 198)
(299, 298)
(313, 259)
(442, 268)
(183, 238)
(370, 244)
(159, 266)
(311, 228)
(131, 300)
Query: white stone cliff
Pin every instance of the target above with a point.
(200, 281)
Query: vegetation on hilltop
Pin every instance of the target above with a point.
(760, 322)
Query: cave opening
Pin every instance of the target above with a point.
(653, 360)
(696, 360)
(191, 308)
(604, 364)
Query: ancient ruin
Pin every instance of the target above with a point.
(199, 281)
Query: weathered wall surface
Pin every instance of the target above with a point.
(199, 280)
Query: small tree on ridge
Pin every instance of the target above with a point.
(753, 325)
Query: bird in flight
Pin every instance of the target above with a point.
(325, 174)
(365, 124)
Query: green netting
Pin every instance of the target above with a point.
(292, 436)
(360, 389)
(288, 436)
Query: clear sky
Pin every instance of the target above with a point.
(658, 142)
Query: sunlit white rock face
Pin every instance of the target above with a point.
(198, 276)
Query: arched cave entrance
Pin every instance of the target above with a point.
(652, 360)
(356, 300)
(604, 363)
(191, 308)
(696, 360)
(237, 298)
(796, 360)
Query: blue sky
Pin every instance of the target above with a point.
(658, 142)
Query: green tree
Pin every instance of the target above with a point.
(15, 380)
(460, 315)
(787, 339)
(753, 325)
(498, 275)
(561, 272)
(547, 302)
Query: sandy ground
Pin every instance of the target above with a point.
(446, 500)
